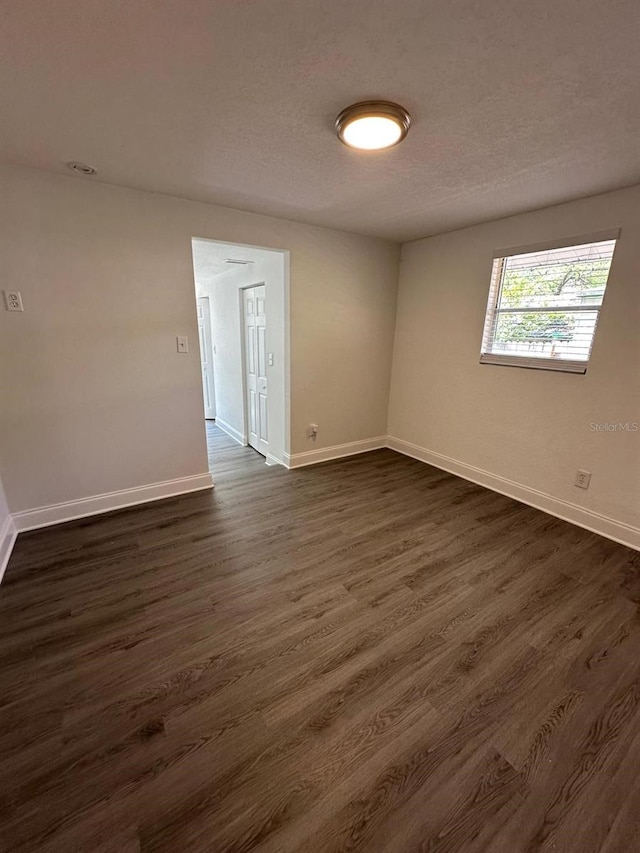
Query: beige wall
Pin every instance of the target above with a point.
(529, 426)
(94, 396)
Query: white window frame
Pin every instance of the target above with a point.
(493, 311)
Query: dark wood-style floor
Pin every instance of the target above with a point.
(368, 655)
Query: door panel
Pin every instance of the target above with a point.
(261, 346)
(253, 414)
(262, 404)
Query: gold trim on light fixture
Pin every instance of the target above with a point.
(393, 114)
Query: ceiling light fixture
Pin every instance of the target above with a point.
(373, 125)
(81, 168)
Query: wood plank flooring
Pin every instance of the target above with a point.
(364, 655)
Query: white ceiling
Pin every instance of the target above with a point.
(516, 104)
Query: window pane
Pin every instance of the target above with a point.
(576, 275)
(553, 334)
(543, 306)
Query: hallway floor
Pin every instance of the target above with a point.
(226, 456)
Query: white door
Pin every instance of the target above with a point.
(255, 328)
(206, 356)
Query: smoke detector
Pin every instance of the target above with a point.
(81, 168)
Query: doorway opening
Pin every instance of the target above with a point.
(242, 299)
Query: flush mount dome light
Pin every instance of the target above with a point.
(372, 125)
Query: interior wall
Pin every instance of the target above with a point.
(95, 397)
(7, 532)
(534, 427)
(225, 333)
(4, 508)
(224, 292)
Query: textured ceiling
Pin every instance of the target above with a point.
(515, 104)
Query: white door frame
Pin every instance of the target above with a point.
(209, 411)
(278, 342)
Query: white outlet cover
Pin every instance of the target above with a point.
(582, 480)
(13, 300)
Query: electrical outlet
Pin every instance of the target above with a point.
(582, 480)
(313, 431)
(13, 300)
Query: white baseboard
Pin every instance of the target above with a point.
(625, 534)
(8, 535)
(44, 516)
(232, 432)
(273, 460)
(337, 451)
(57, 513)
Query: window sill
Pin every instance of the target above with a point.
(558, 365)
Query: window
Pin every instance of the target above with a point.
(543, 306)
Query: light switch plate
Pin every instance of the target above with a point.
(13, 300)
(182, 342)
